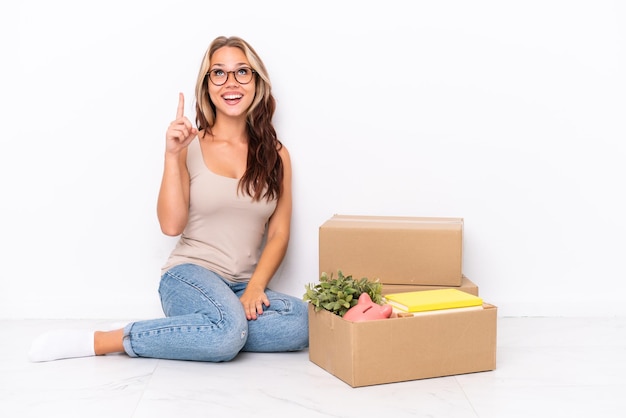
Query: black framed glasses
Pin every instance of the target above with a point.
(242, 75)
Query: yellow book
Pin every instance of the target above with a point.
(432, 300)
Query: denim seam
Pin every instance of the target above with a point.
(220, 307)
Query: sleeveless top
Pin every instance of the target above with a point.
(226, 229)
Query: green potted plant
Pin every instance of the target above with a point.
(337, 295)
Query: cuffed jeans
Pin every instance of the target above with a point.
(205, 320)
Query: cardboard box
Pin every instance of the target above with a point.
(393, 249)
(391, 350)
(466, 286)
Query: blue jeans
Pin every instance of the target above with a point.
(205, 320)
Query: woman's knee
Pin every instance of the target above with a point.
(222, 346)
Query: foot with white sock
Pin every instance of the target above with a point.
(62, 344)
(71, 343)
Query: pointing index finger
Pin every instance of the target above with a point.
(180, 112)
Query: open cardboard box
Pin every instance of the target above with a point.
(432, 344)
(393, 249)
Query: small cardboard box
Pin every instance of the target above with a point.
(467, 286)
(393, 249)
(433, 344)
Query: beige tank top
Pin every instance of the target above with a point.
(226, 228)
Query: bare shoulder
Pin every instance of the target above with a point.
(284, 154)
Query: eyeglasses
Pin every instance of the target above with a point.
(242, 75)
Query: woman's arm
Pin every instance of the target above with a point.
(278, 232)
(173, 201)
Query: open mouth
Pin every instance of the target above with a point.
(232, 98)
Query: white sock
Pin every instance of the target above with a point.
(112, 326)
(61, 344)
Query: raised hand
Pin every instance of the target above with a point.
(180, 132)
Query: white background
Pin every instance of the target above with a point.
(509, 114)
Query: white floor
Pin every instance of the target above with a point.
(546, 367)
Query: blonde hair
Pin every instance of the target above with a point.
(264, 172)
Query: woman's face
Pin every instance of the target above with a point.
(235, 92)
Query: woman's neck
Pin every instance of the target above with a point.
(230, 131)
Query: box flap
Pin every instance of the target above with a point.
(391, 222)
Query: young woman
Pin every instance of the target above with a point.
(226, 190)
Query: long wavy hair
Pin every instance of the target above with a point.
(263, 177)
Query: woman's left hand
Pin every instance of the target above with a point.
(253, 300)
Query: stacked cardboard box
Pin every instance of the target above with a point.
(404, 254)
